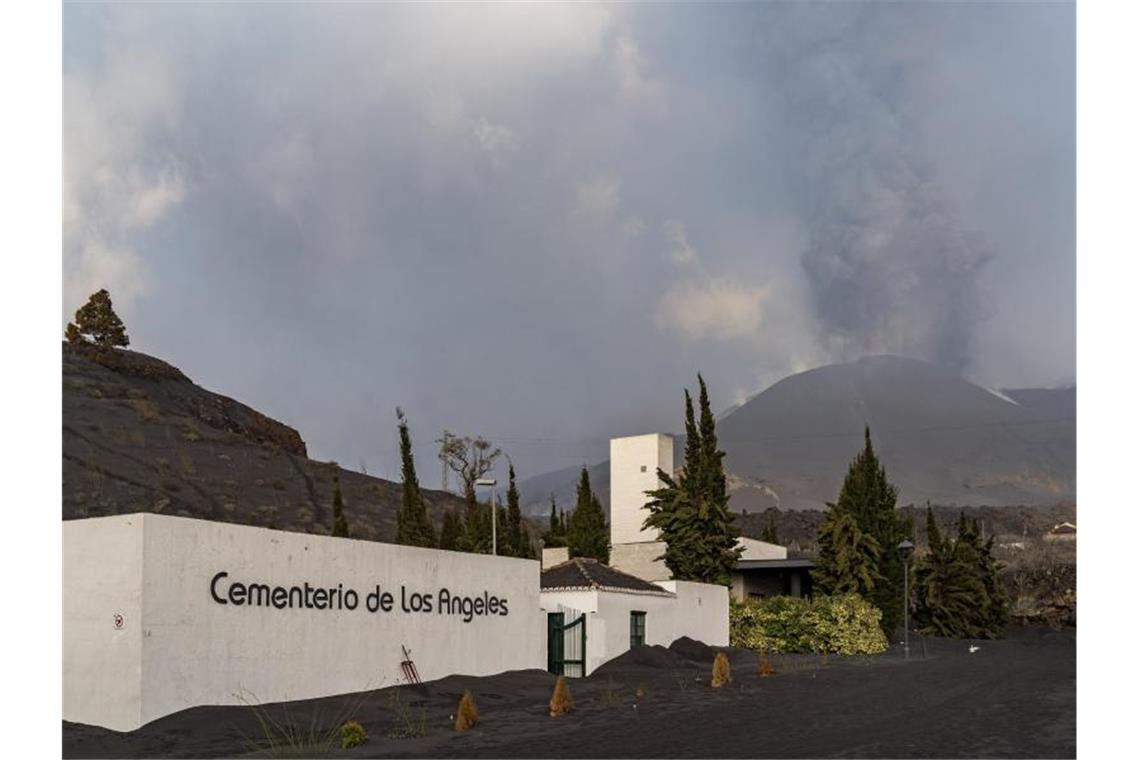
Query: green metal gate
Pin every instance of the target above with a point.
(566, 644)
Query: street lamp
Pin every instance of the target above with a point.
(494, 513)
(906, 548)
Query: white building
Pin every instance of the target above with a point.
(619, 611)
(764, 569)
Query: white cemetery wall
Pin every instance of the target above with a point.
(232, 614)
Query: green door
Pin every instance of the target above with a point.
(554, 646)
(566, 645)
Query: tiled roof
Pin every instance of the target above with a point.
(584, 573)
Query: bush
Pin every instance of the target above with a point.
(844, 624)
(721, 672)
(352, 734)
(468, 714)
(561, 702)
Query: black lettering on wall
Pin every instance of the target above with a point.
(214, 587)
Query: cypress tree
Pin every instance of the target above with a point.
(997, 608)
(413, 526)
(476, 536)
(869, 498)
(554, 535)
(691, 512)
(587, 534)
(848, 558)
(958, 593)
(768, 534)
(340, 524)
(450, 531)
(514, 533)
(96, 322)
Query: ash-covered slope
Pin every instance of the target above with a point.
(138, 435)
(940, 437)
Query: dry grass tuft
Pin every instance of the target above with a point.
(765, 664)
(561, 702)
(721, 672)
(468, 713)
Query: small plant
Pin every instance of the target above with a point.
(407, 727)
(561, 702)
(287, 735)
(468, 713)
(352, 734)
(721, 672)
(765, 664)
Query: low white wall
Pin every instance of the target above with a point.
(696, 610)
(701, 611)
(102, 621)
(199, 642)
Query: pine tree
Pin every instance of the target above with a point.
(96, 322)
(869, 498)
(587, 534)
(691, 512)
(413, 526)
(450, 531)
(340, 524)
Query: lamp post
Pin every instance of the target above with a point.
(494, 513)
(906, 548)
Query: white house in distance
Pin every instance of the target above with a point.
(763, 569)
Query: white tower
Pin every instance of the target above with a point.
(633, 471)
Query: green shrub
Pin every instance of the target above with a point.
(352, 734)
(844, 624)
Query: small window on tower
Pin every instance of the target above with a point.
(643, 468)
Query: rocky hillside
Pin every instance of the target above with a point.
(139, 436)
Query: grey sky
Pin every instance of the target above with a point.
(539, 222)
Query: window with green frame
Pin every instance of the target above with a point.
(636, 629)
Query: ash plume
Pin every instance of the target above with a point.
(890, 268)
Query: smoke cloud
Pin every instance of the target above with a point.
(891, 267)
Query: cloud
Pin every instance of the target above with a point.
(493, 138)
(719, 309)
(632, 227)
(629, 69)
(115, 183)
(681, 251)
(598, 199)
